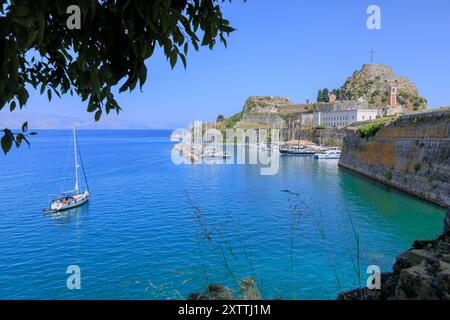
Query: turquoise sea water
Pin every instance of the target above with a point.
(154, 230)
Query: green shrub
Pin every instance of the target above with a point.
(231, 121)
(320, 127)
(388, 175)
(370, 129)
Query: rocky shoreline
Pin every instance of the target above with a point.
(421, 273)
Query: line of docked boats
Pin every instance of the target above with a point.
(314, 151)
(197, 152)
(211, 150)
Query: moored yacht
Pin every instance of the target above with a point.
(76, 197)
(329, 154)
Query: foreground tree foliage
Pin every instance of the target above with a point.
(38, 50)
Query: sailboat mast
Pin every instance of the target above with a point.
(76, 159)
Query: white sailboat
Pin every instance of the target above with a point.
(76, 197)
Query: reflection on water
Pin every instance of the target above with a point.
(71, 215)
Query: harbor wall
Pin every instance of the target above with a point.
(332, 137)
(411, 154)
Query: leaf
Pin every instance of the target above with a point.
(12, 106)
(33, 133)
(22, 97)
(7, 141)
(173, 58)
(91, 106)
(49, 94)
(98, 114)
(228, 29)
(142, 75)
(183, 59)
(19, 139)
(25, 127)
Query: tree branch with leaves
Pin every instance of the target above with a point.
(109, 51)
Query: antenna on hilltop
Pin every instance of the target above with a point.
(371, 55)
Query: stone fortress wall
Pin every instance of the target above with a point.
(411, 154)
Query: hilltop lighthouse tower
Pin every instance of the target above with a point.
(393, 99)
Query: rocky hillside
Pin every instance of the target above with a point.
(421, 273)
(259, 111)
(373, 83)
(258, 104)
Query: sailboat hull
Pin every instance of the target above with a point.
(73, 201)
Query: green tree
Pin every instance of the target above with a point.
(220, 118)
(108, 52)
(325, 95)
(320, 96)
(337, 93)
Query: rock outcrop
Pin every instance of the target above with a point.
(257, 104)
(421, 273)
(248, 290)
(374, 82)
(263, 111)
(260, 111)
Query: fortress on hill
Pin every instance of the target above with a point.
(372, 92)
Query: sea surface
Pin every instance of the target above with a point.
(156, 230)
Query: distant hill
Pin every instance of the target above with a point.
(14, 120)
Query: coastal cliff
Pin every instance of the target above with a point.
(411, 153)
(421, 273)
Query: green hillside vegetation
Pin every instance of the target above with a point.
(369, 130)
(231, 121)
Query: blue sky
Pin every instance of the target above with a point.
(287, 48)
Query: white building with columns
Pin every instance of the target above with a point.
(339, 119)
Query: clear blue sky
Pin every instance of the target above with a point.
(288, 48)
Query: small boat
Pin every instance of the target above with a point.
(76, 197)
(328, 154)
(215, 153)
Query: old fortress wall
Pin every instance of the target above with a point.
(411, 154)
